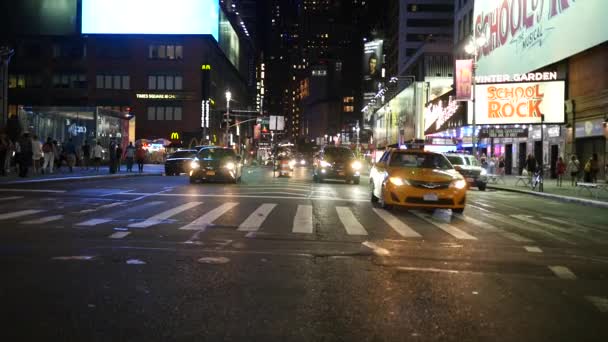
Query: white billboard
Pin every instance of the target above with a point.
(150, 17)
(525, 35)
(519, 103)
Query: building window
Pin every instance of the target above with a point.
(165, 82)
(164, 113)
(113, 82)
(24, 81)
(171, 52)
(349, 109)
(75, 50)
(69, 81)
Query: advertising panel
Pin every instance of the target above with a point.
(525, 35)
(464, 79)
(150, 17)
(229, 41)
(372, 67)
(512, 132)
(590, 128)
(519, 103)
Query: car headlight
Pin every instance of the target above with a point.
(229, 166)
(292, 163)
(302, 162)
(459, 184)
(325, 164)
(398, 181)
(484, 172)
(195, 164)
(356, 165)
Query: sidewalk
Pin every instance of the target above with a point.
(82, 174)
(566, 192)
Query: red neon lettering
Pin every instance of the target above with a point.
(503, 17)
(557, 8)
(515, 16)
(528, 18)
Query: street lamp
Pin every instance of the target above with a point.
(356, 129)
(472, 48)
(228, 98)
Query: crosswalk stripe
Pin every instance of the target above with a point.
(448, 228)
(484, 204)
(529, 219)
(93, 222)
(506, 220)
(563, 272)
(352, 226)
(20, 213)
(600, 303)
(255, 220)
(400, 227)
(302, 222)
(11, 198)
(491, 227)
(119, 235)
(44, 219)
(202, 222)
(159, 218)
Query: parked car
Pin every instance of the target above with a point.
(414, 178)
(213, 163)
(470, 168)
(179, 162)
(336, 163)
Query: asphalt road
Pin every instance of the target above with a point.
(284, 259)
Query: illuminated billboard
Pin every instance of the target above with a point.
(526, 35)
(519, 103)
(229, 41)
(372, 66)
(150, 17)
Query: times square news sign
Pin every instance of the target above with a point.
(522, 36)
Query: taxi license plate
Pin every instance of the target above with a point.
(470, 180)
(430, 197)
(210, 173)
(340, 173)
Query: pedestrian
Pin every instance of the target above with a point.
(140, 156)
(560, 169)
(49, 155)
(4, 147)
(86, 154)
(595, 167)
(97, 153)
(70, 154)
(112, 155)
(36, 155)
(530, 166)
(25, 154)
(501, 166)
(130, 156)
(484, 163)
(574, 169)
(58, 153)
(118, 157)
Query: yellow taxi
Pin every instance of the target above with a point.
(414, 178)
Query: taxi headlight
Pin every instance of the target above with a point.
(483, 172)
(398, 181)
(195, 164)
(302, 162)
(325, 164)
(229, 166)
(356, 165)
(292, 163)
(459, 184)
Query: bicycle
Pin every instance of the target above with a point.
(537, 180)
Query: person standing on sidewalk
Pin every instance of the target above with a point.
(86, 154)
(560, 169)
(574, 169)
(25, 154)
(118, 157)
(36, 154)
(130, 156)
(112, 155)
(97, 154)
(595, 167)
(530, 165)
(49, 155)
(140, 156)
(70, 154)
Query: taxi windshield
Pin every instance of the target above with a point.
(182, 154)
(216, 153)
(420, 161)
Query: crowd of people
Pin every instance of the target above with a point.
(28, 155)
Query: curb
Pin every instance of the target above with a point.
(80, 178)
(568, 199)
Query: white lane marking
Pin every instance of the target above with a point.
(11, 198)
(563, 272)
(483, 204)
(235, 196)
(352, 226)
(600, 303)
(32, 190)
(105, 206)
(74, 257)
(448, 228)
(506, 220)
(400, 227)
(19, 213)
(427, 269)
(377, 249)
(255, 220)
(533, 249)
(302, 222)
(491, 227)
(530, 219)
(478, 208)
(93, 222)
(202, 222)
(159, 218)
(119, 235)
(44, 220)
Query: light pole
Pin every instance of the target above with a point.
(228, 98)
(472, 49)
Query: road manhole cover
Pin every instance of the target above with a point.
(214, 261)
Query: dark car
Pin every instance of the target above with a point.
(179, 162)
(336, 163)
(214, 163)
(470, 169)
